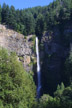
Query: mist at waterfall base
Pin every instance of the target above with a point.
(38, 70)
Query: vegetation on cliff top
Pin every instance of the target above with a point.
(38, 19)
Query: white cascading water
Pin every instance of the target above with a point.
(38, 69)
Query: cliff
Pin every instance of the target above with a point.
(55, 48)
(18, 43)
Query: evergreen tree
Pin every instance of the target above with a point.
(71, 8)
(68, 69)
(4, 13)
(29, 24)
(39, 26)
(0, 14)
(12, 18)
(66, 98)
(7, 15)
(62, 86)
(60, 89)
(36, 20)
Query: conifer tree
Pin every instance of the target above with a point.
(0, 14)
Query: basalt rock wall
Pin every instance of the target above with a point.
(53, 52)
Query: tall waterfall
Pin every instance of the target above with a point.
(38, 69)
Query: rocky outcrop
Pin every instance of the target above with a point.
(16, 42)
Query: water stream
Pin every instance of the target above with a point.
(38, 70)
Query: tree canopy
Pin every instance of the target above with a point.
(17, 88)
(36, 20)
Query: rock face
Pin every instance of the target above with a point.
(15, 42)
(53, 58)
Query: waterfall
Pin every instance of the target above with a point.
(38, 69)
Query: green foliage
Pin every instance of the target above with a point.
(44, 101)
(63, 99)
(59, 90)
(39, 26)
(0, 14)
(47, 101)
(36, 20)
(17, 89)
(30, 24)
(66, 98)
(3, 13)
(34, 45)
(68, 69)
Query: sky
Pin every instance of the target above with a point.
(22, 4)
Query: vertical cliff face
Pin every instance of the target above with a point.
(54, 54)
(15, 42)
